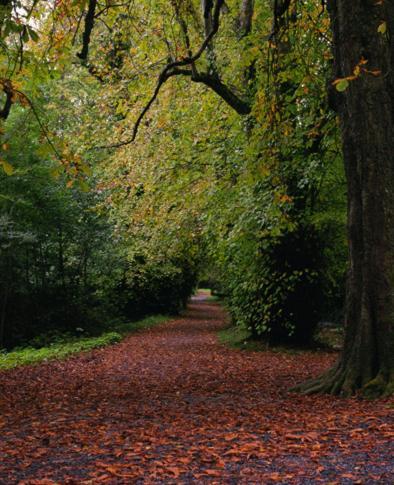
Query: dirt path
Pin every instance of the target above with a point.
(171, 405)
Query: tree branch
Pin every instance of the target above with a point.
(89, 23)
(207, 14)
(240, 106)
(8, 90)
(280, 8)
(214, 82)
(176, 69)
(164, 76)
(172, 69)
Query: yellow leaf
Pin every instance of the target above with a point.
(44, 150)
(7, 167)
(85, 169)
(83, 186)
(382, 29)
(55, 173)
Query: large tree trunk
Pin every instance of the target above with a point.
(366, 112)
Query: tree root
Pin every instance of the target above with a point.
(340, 381)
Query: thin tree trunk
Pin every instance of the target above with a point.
(246, 16)
(4, 299)
(61, 256)
(3, 315)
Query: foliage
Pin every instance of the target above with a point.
(60, 346)
(53, 244)
(278, 243)
(64, 263)
(256, 204)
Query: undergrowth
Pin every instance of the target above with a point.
(238, 337)
(61, 349)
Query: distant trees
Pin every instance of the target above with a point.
(64, 266)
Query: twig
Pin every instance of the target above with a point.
(40, 123)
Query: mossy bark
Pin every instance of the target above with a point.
(364, 37)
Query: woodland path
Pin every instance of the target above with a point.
(171, 405)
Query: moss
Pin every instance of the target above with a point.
(389, 391)
(378, 387)
(329, 337)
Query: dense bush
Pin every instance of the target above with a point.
(280, 295)
(278, 251)
(282, 290)
(152, 287)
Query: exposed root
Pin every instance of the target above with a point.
(379, 386)
(342, 382)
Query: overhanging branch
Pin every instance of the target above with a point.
(212, 81)
(89, 23)
(240, 106)
(9, 92)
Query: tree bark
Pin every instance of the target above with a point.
(89, 23)
(246, 17)
(366, 113)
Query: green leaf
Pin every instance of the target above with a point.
(56, 172)
(33, 34)
(342, 85)
(44, 150)
(25, 35)
(85, 169)
(83, 185)
(11, 26)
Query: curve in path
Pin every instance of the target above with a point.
(172, 405)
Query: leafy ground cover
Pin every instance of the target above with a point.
(64, 348)
(173, 405)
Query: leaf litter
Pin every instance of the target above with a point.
(172, 405)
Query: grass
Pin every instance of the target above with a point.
(214, 298)
(63, 349)
(240, 338)
(125, 328)
(208, 294)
